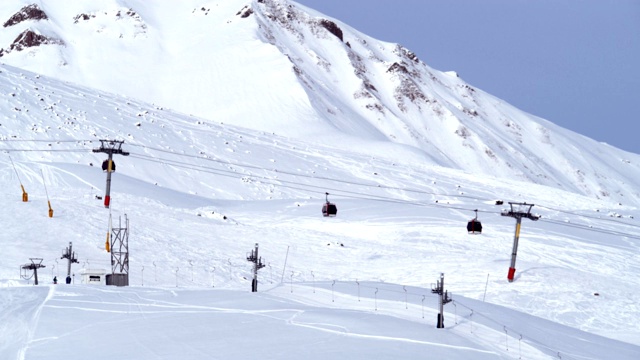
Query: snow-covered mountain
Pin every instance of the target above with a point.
(199, 194)
(279, 67)
(238, 117)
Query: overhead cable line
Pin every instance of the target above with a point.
(590, 216)
(345, 193)
(305, 187)
(49, 141)
(282, 183)
(45, 150)
(311, 176)
(379, 186)
(241, 165)
(295, 174)
(590, 228)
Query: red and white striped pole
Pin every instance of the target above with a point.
(518, 215)
(107, 196)
(514, 253)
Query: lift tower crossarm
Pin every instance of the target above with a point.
(518, 214)
(110, 147)
(34, 266)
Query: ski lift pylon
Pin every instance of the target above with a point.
(474, 226)
(329, 209)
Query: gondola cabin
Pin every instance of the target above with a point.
(329, 209)
(474, 226)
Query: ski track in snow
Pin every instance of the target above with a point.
(345, 331)
(32, 325)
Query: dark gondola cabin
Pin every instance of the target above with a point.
(329, 209)
(474, 226)
(105, 165)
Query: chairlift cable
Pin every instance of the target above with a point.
(344, 193)
(45, 150)
(45, 140)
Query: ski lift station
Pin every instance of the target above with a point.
(93, 276)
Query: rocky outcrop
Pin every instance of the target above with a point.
(29, 12)
(332, 28)
(132, 26)
(245, 12)
(29, 38)
(83, 17)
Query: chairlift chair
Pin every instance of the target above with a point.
(474, 226)
(329, 209)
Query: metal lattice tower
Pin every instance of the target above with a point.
(518, 211)
(110, 147)
(120, 254)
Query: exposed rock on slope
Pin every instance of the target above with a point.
(29, 38)
(29, 12)
(130, 23)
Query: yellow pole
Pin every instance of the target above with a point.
(25, 196)
(46, 192)
(107, 244)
